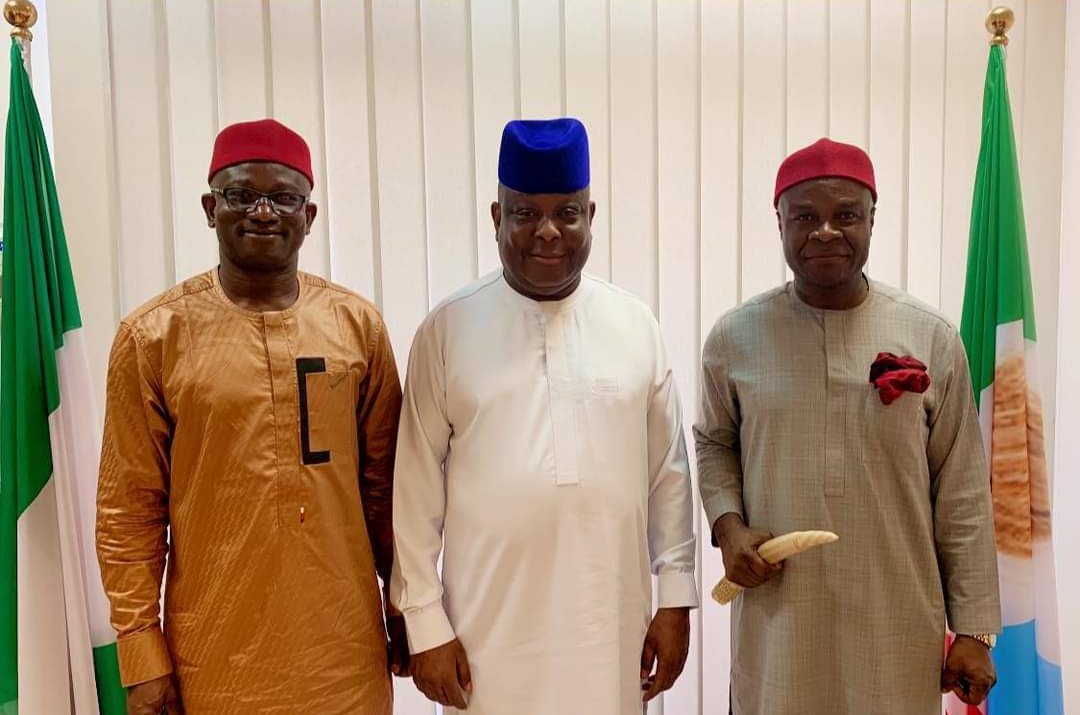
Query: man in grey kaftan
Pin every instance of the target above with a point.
(792, 435)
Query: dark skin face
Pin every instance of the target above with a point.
(825, 226)
(544, 240)
(259, 250)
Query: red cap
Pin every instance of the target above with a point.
(262, 140)
(825, 158)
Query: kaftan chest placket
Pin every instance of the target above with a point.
(835, 404)
(282, 364)
(566, 392)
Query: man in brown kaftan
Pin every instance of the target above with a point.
(252, 410)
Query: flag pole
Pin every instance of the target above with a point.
(998, 22)
(21, 15)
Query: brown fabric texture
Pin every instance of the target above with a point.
(253, 454)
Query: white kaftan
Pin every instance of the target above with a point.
(541, 450)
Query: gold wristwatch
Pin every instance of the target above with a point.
(987, 639)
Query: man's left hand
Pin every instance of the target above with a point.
(397, 649)
(969, 670)
(666, 645)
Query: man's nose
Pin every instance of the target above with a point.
(547, 230)
(263, 210)
(826, 233)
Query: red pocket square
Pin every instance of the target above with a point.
(894, 375)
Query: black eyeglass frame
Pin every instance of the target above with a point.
(259, 198)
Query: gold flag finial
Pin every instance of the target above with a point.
(21, 15)
(999, 21)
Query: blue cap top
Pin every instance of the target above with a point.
(544, 156)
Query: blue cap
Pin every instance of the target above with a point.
(544, 156)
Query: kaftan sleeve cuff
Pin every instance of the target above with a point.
(988, 621)
(427, 628)
(676, 590)
(143, 656)
(719, 504)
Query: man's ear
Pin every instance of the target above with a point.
(209, 203)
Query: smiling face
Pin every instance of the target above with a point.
(544, 240)
(825, 226)
(259, 241)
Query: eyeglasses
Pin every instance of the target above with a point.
(243, 200)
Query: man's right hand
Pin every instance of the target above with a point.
(442, 674)
(739, 544)
(155, 697)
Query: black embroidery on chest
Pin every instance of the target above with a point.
(304, 367)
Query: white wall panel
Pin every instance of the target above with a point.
(141, 141)
(887, 142)
(764, 141)
(633, 147)
(849, 70)
(1016, 62)
(402, 189)
(350, 176)
(494, 102)
(540, 52)
(678, 208)
(448, 148)
(807, 56)
(192, 123)
(296, 98)
(925, 149)
(245, 80)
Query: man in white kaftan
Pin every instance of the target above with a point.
(541, 451)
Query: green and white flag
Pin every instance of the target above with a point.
(998, 328)
(57, 648)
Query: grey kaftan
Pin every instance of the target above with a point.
(793, 436)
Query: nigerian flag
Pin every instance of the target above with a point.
(998, 327)
(57, 649)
